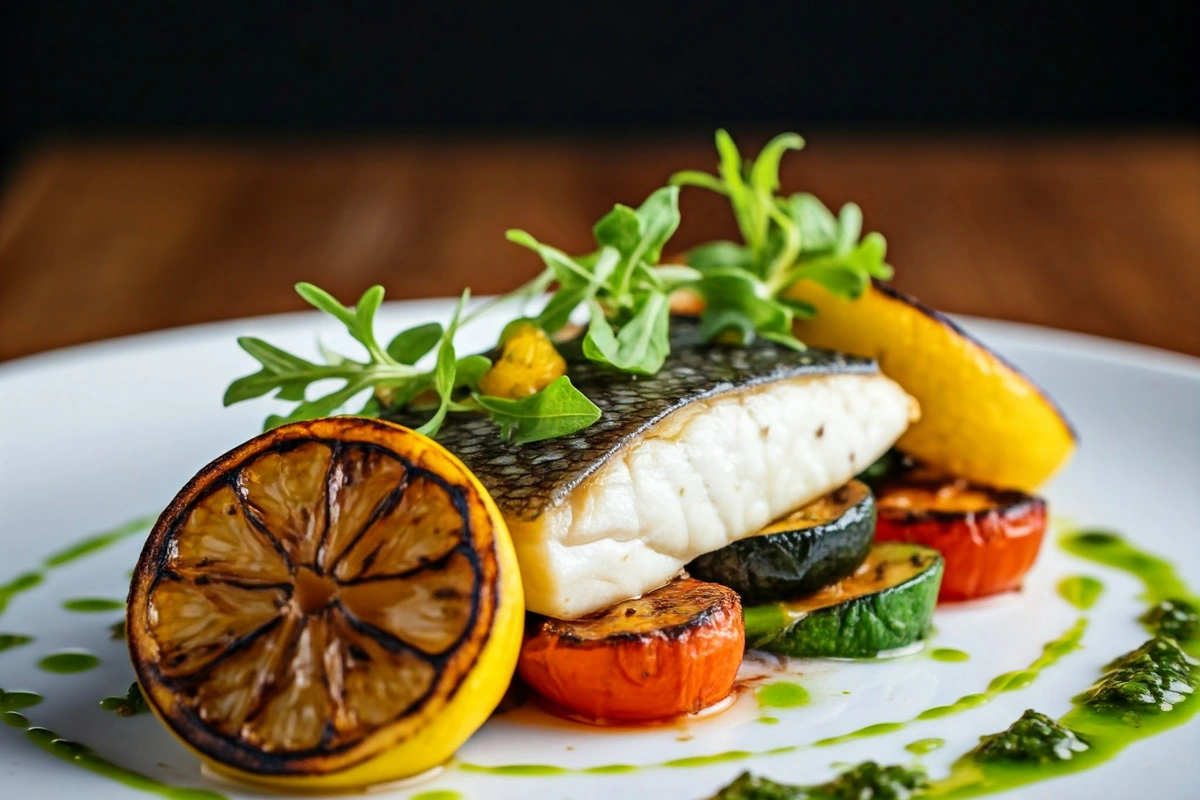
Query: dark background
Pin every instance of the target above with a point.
(165, 163)
(267, 69)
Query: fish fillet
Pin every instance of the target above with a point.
(714, 447)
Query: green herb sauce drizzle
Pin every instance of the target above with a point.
(82, 756)
(13, 702)
(1051, 653)
(92, 544)
(1142, 693)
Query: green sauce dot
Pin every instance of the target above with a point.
(769, 720)
(15, 719)
(15, 701)
(782, 694)
(923, 746)
(437, 794)
(948, 654)
(1081, 591)
(69, 661)
(91, 605)
(10, 640)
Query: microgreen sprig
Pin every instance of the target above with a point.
(624, 289)
(786, 240)
(395, 381)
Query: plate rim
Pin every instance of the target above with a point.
(1073, 344)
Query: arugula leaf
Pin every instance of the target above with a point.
(715, 255)
(558, 410)
(619, 229)
(470, 370)
(818, 226)
(409, 346)
(641, 346)
(735, 299)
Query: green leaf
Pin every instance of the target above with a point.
(817, 224)
(764, 175)
(837, 276)
(720, 254)
(784, 338)
(642, 344)
(714, 322)
(366, 307)
(799, 308)
(469, 371)
(320, 407)
(557, 312)
(271, 357)
(408, 347)
(566, 270)
(870, 255)
(281, 370)
(849, 228)
(738, 291)
(691, 177)
(558, 410)
(658, 219)
(730, 169)
(323, 300)
(619, 229)
(676, 275)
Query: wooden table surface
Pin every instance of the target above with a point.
(1100, 235)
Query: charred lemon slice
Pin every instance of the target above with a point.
(332, 604)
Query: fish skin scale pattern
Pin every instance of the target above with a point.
(526, 480)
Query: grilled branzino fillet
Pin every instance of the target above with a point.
(719, 443)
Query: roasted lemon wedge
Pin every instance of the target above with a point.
(333, 604)
(981, 419)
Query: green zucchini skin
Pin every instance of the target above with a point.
(868, 622)
(819, 545)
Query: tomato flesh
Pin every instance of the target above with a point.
(671, 652)
(989, 537)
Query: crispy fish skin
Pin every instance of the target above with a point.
(712, 448)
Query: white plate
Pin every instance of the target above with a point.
(96, 435)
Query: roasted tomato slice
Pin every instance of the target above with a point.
(989, 537)
(673, 651)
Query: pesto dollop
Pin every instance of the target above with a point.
(1033, 738)
(1152, 678)
(866, 781)
(1172, 617)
